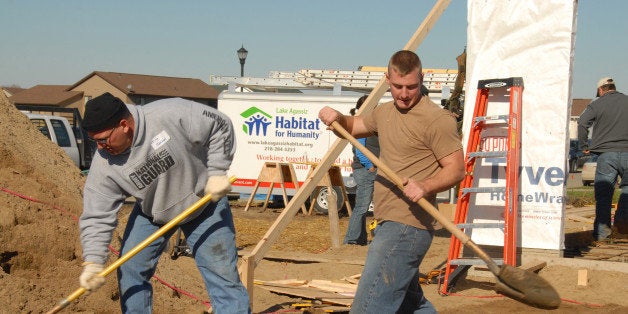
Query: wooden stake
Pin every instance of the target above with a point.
(583, 277)
(332, 212)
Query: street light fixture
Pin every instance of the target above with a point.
(242, 53)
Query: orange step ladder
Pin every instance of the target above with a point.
(457, 264)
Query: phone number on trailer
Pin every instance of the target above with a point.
(279, 149)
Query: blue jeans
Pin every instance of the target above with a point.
(356, 231)
(390, 279)
(610, 165)
(210, 236)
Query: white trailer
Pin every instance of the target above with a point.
(283, 128)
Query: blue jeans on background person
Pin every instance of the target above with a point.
(210, 236)
(390, 280)
(610, 165)
(356, 231)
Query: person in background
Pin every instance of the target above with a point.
(420, 142)
(364, 174)
(167, 155)
(608, 116)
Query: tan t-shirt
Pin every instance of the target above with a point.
(411, 143)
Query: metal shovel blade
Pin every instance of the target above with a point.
(527, 287)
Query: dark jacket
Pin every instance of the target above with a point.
(609, 117)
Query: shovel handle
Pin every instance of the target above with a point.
(142, 245)
(427, 206)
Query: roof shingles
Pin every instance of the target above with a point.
(45, 95)
(157, 85)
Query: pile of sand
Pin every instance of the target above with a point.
(40, 253)
(41, 198)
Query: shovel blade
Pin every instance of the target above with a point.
(527, 287)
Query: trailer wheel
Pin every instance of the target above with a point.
(319, 199)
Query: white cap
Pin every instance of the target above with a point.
(603, 81)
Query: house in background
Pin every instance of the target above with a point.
(134, 89)
(141, 89)
(577, 107)
(48, 96)
(10, 91)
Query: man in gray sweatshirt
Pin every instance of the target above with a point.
(167, 155)
(608, 115)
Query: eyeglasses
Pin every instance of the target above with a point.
(103, 141)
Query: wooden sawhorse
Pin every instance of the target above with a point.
(275, 172)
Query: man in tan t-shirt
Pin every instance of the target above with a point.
(420, 142)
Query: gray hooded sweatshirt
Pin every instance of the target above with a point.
(177, 145)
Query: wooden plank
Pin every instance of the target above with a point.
(353, 279)
(330, 286)
(605, 255)
(246, 272)
(345, 289)
(309, 308)
(311, 293)
(282, 283)
(579, 218)
(608, 250)
(308, 257)
(311, 182)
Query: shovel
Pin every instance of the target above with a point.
(142, 245)
(519, 284)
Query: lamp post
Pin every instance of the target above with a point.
(242, 53)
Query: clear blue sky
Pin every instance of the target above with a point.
(60, 42)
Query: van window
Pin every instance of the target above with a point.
(40, 124)
(63, 138)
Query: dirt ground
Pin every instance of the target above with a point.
(40, 255)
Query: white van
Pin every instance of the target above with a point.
(58, 130)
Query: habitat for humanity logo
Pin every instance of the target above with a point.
(256, 121)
